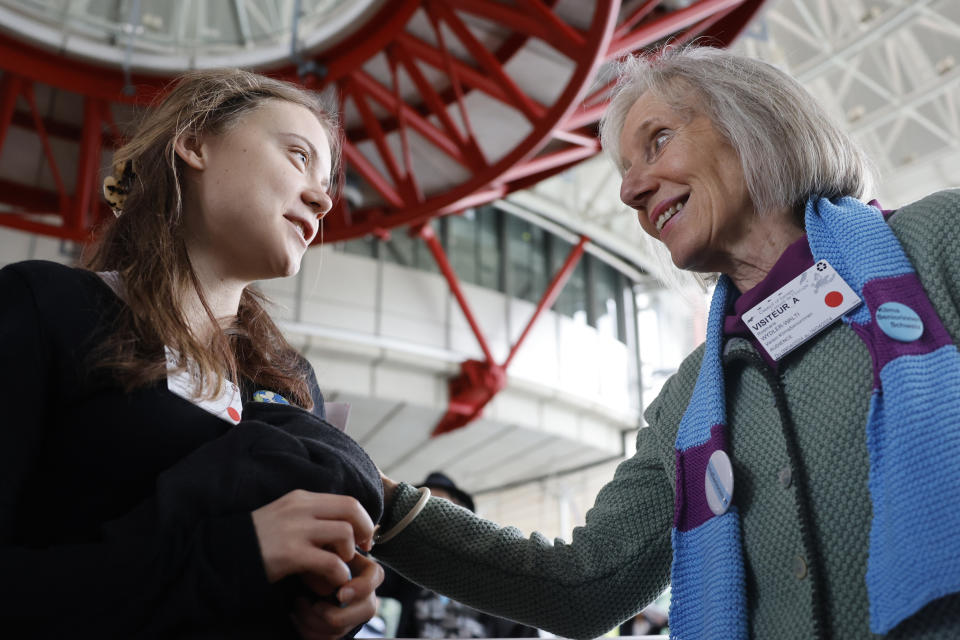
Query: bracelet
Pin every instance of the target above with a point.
(379, 538)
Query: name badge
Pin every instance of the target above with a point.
(801, 309)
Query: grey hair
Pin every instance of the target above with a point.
(789, 147)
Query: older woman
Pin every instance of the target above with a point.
(799, 476)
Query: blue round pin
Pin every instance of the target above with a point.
(269, 396)
(899, 321)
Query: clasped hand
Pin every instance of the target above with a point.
(316, 536)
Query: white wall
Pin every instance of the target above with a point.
(391, 304)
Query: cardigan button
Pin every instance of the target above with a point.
(785, 477)
(799, 568)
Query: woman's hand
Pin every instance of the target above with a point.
(358, 603)
(316, 535)
(312, 533)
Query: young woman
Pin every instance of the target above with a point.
(143, 489)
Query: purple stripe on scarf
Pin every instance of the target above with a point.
(905, 289)
(691, 509)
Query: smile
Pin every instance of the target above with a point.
(303, 228)
(671, 211)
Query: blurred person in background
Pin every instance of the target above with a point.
(427, 614)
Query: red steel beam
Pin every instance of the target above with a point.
(547, 160)
(413, 184)
(668, 25)
(79, 217)
(16, 221)
(479, 382)
(365, 168)
(45, 141)
(475, 199)
(465, 141)
(430, 238)
(90, 80)
(585, 115)
(66, 131)
(9, 90)
(598, 35)
(543, 25)
(636, 16)
(517, 97)
(736, 21)
(697, 29)
(380, 141)
(456, 87)
(433, 56)
(550, 295)
(404, 205)
(24, 196)
(414, 210)
(444, 142)
(542, 11)
(531, 180)
(376, 35)
(583, 139)
(599, 95)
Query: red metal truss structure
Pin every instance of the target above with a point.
(381, 74)
(480, 380)
(416, 86)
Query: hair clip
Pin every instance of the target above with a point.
(116, 187)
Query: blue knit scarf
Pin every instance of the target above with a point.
(913, 439)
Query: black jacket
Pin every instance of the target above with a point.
(128, 515)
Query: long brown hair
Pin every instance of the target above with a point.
(145, 246)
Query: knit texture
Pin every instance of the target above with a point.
(913, 429)
(579, 589)
(913, 477)
(913, 438)
(709, 595)
(620, 559)
(709, 592)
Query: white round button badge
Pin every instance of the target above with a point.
(899, 321)
(718, 482)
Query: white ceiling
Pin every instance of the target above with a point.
(160, 36)
(487, 454)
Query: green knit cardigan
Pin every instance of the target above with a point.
(799, 453)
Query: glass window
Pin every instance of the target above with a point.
(489, 255)
(527, 264)
(366, 247)
(607, 300)
(492, 249)
(422, 256)
(572, 300)
(399, 249)
(461, 245)
(408, 251)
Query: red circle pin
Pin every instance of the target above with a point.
(234, 414)
(834, 299)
